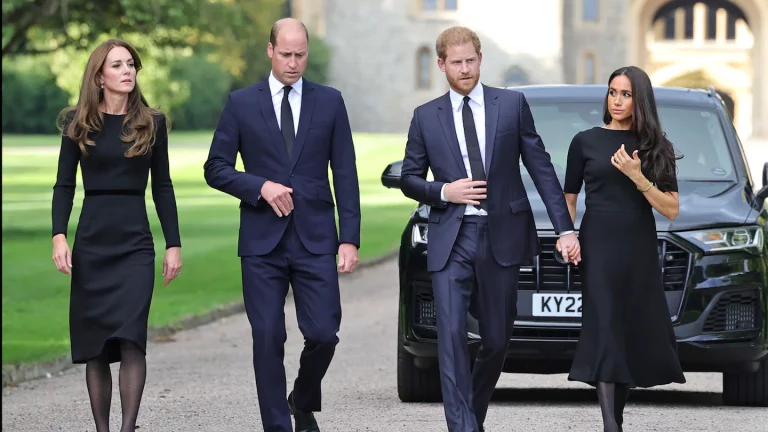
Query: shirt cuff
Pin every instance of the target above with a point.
(442, 193)
(564, 233)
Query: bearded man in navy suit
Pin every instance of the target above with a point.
(481, 227)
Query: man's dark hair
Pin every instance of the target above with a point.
(275, 29)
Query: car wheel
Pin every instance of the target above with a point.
(747, 389)
(416, 384)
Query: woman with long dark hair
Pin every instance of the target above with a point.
(628, 168)
(117, 140)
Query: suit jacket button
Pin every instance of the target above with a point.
(458, 218)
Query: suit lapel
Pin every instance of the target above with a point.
(305, 118)
(445, 114)
(491, 123)
(268, 111)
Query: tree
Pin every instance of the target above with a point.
(45, 26)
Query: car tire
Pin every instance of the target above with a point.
(416, 384)
(747, 389)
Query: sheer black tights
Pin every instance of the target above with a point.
(98, 378)
(613, 398)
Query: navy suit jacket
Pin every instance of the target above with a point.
(510, 135)
(248, 126)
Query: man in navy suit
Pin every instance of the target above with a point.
(287, 130)
(481, 227)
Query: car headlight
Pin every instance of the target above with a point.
(718, 240)
(419, 234)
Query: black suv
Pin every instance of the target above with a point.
(714, 256)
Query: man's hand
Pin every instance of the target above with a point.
(278, 196)
(466, 191)
(347, 258)
(568, 246)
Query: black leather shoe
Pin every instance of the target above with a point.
(304, 420)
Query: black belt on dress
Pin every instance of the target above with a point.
(102, 192)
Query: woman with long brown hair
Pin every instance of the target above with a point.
(117, 140)
(628, 169)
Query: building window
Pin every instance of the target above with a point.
(423, 63)
(590, 71)
(439, 5)
(688, 30)
(711, 23)
(589, 10)
(516, 76)
(730, 32)
(669, 25)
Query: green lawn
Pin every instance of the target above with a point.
(36, 296)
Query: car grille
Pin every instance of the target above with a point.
(736, 310)
(553, 276)
(544, 273)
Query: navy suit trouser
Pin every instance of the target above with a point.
(315, 284)
(472, 271)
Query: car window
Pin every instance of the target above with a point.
(695, 132)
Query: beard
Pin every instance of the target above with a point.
(463, 86)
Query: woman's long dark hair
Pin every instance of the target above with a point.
(655, 150)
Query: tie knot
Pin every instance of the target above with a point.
(466, 100)
(287, 89)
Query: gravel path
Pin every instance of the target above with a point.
(203, 381)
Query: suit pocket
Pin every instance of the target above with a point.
(520, 205)
(324, 194)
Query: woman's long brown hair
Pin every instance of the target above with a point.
(81, 121)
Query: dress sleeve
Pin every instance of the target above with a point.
(64, 188)
(162, 187)
(671, 185)
(574, 171)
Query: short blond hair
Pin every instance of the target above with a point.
(456, 36)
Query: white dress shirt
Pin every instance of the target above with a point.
(294, 100)
(477, 105)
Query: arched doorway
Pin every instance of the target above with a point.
(730, 44)
(703, 80)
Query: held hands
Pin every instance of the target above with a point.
(279, 197)
(347, 258)
(171, 264)
(466, 191)
(62, 256)
(630, 166)
(568, 245)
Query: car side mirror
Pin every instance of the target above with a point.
(762, 194)
(765, 175)
(391, 176)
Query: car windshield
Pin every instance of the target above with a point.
(695, 132)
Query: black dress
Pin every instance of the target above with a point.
(626, 335)
(113, 257)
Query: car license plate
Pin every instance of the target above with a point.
(556, 305)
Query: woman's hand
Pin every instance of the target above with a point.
(630, 166)
(62, 256)
(171, 264)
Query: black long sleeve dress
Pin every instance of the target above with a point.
(113, 257)
(626, 335)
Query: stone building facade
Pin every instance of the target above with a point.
(384, 60)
